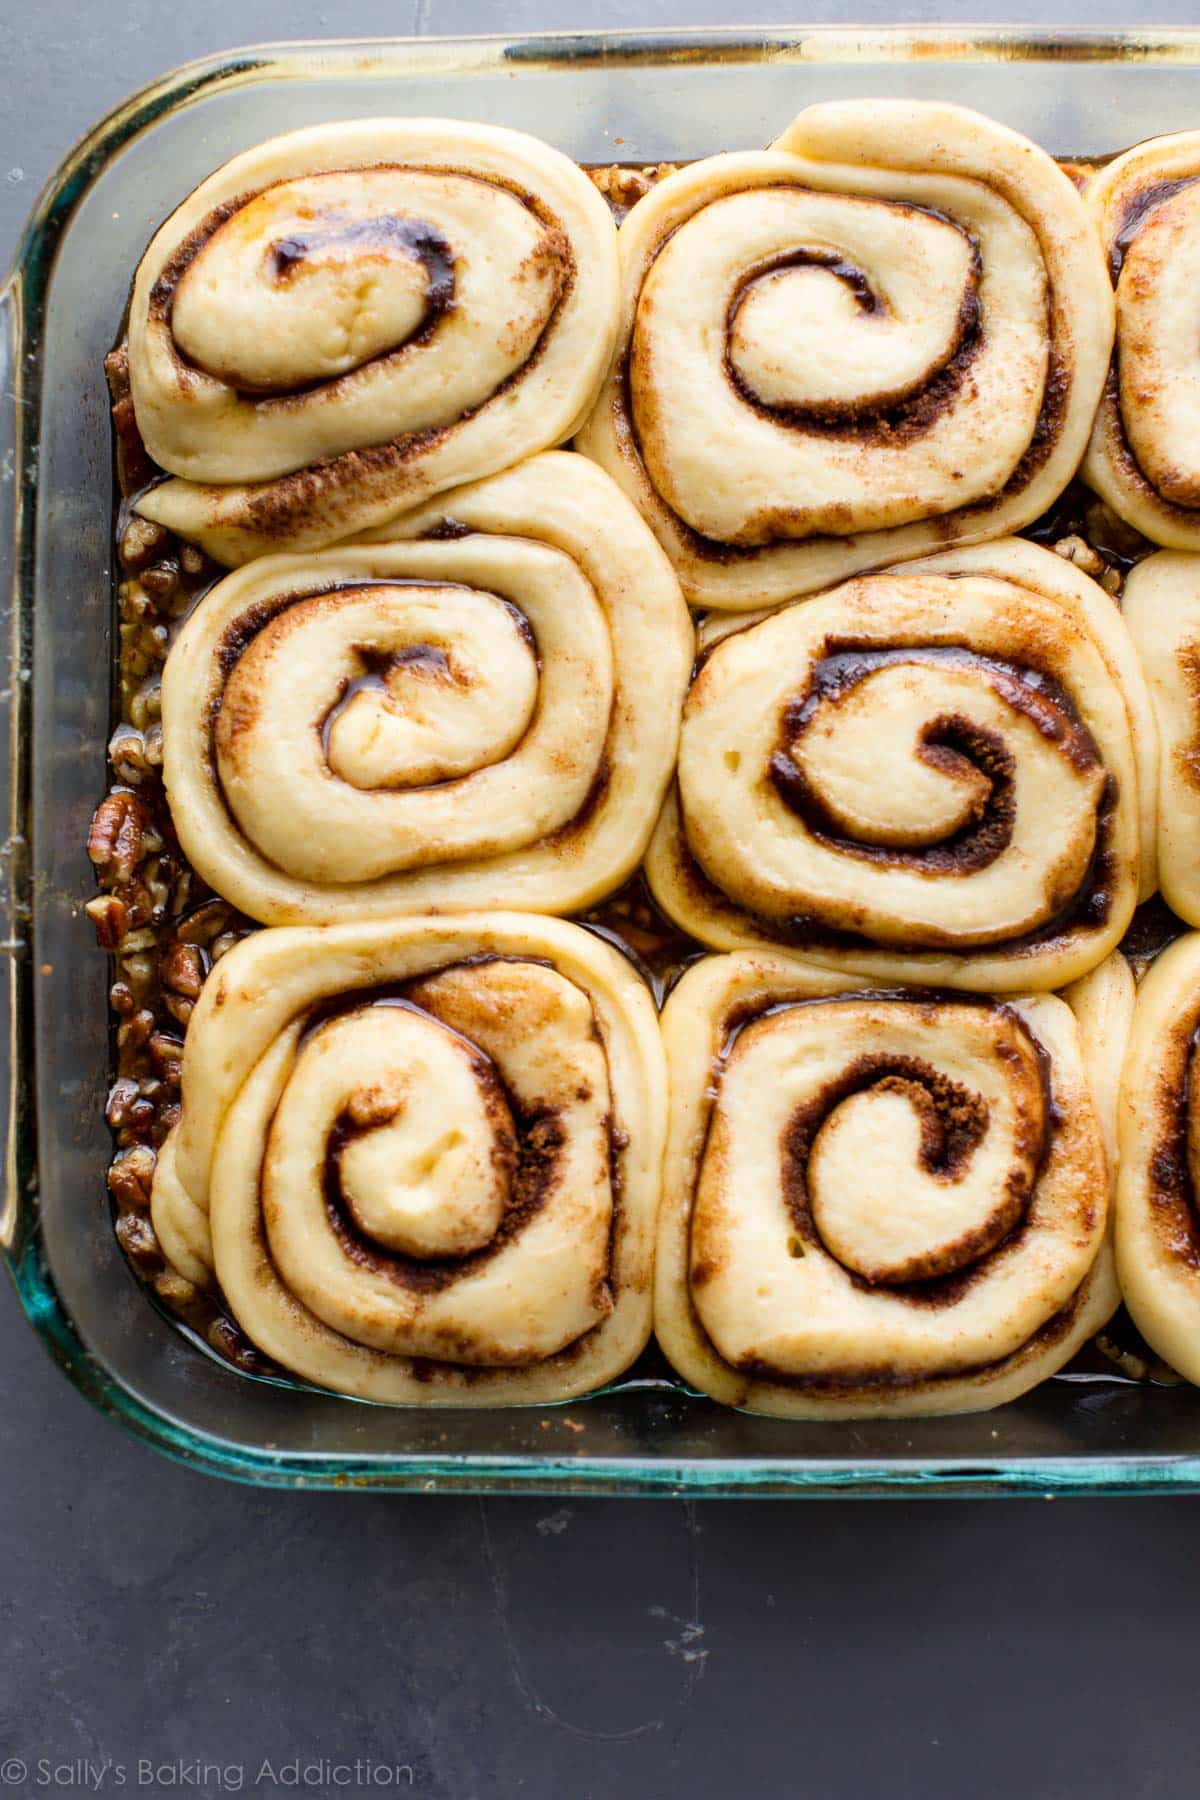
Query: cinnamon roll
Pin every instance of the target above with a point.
(874, 1202)
(1144, 454)
(421, 1159)
(344, 321)
(941, 774)
(1157, 1221)
(482, 711)
(886, 333)
(1161, 603)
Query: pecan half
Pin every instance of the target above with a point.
(110, 918)
(115, 839)
(131, 1176)
(182, 969)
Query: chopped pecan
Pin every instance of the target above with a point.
(142, 939)
(139, 1123)
(136, 1236)
(123, 1097)
(115, 839)
(116, 371)
(180, 1009)
(131, 1176)
(166, 1053)
(133, 464)
(623, 187)
(120, 998)
(181, 891)
(127, 754)
(1077, 550)
(133, 602)
(177, 1292)
(110, 918)
(141, 540)
(206, 923)
(228, 1341)
(136, 973)
(137, 900)
(182, 969)
(133, 1033)
(1112, 536)
(161, 579)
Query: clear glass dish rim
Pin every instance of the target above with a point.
(23, 297)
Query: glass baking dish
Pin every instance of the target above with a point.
(601, 97)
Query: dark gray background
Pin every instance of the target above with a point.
(554, 1650)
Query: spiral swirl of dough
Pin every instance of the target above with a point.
(344, 321)
(1144, 455)
(941, 774)
(1157, 1214)
(874, 1203)
(420, 1160)
(481, 713)
(886, 333)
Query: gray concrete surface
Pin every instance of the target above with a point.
(153, 1621)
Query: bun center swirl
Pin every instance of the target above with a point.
(321, 276)
(891, 777)
(377, 1089)
(428, 1141)
(350, 319)
(483, 710)
(312, 279)
(885, 333)
(935, 1125)
(892, 1170)
(896, 331)
(401, 715)
(775, 437)
(421, 712)
(420, 1158)
(947, 784)
(912, 770)
(875, 1202)
(908, 1141)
